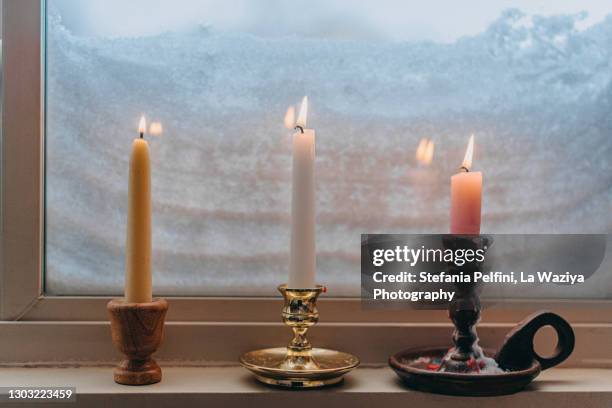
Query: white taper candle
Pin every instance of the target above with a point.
(303, 259)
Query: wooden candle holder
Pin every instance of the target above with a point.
(137, 330)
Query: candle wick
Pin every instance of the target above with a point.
(300, 128)
(142, 135)
(463, 168)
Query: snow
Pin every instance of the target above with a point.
(537, 96)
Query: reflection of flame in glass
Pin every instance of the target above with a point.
(301, 120)
(290, 117)
(142, 125)
(429, 153)
(425, 151)
(469, 152)
(421, 149)
(156, 129)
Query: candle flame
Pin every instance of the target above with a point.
(142, 125)
(156, 129)
(301, 120)
(290, 117)
(467, 160)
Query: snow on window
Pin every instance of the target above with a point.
(534, 89)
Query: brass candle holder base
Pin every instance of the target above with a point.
(299, 365)
(137, 330)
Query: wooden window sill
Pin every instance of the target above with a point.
(235, 387)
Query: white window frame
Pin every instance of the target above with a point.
(213, 330)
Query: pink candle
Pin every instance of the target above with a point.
(466, 197)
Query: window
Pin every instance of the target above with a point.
(532, 85)
(356, 132)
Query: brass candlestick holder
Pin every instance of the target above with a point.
(299, 365)
(137, 330)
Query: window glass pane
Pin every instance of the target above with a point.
(533, 84)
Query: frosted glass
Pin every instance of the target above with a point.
(535, 89)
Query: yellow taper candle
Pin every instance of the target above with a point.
(138, 243)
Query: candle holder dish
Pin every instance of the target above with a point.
(467, 369)
(299, 365)
(137, 331)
